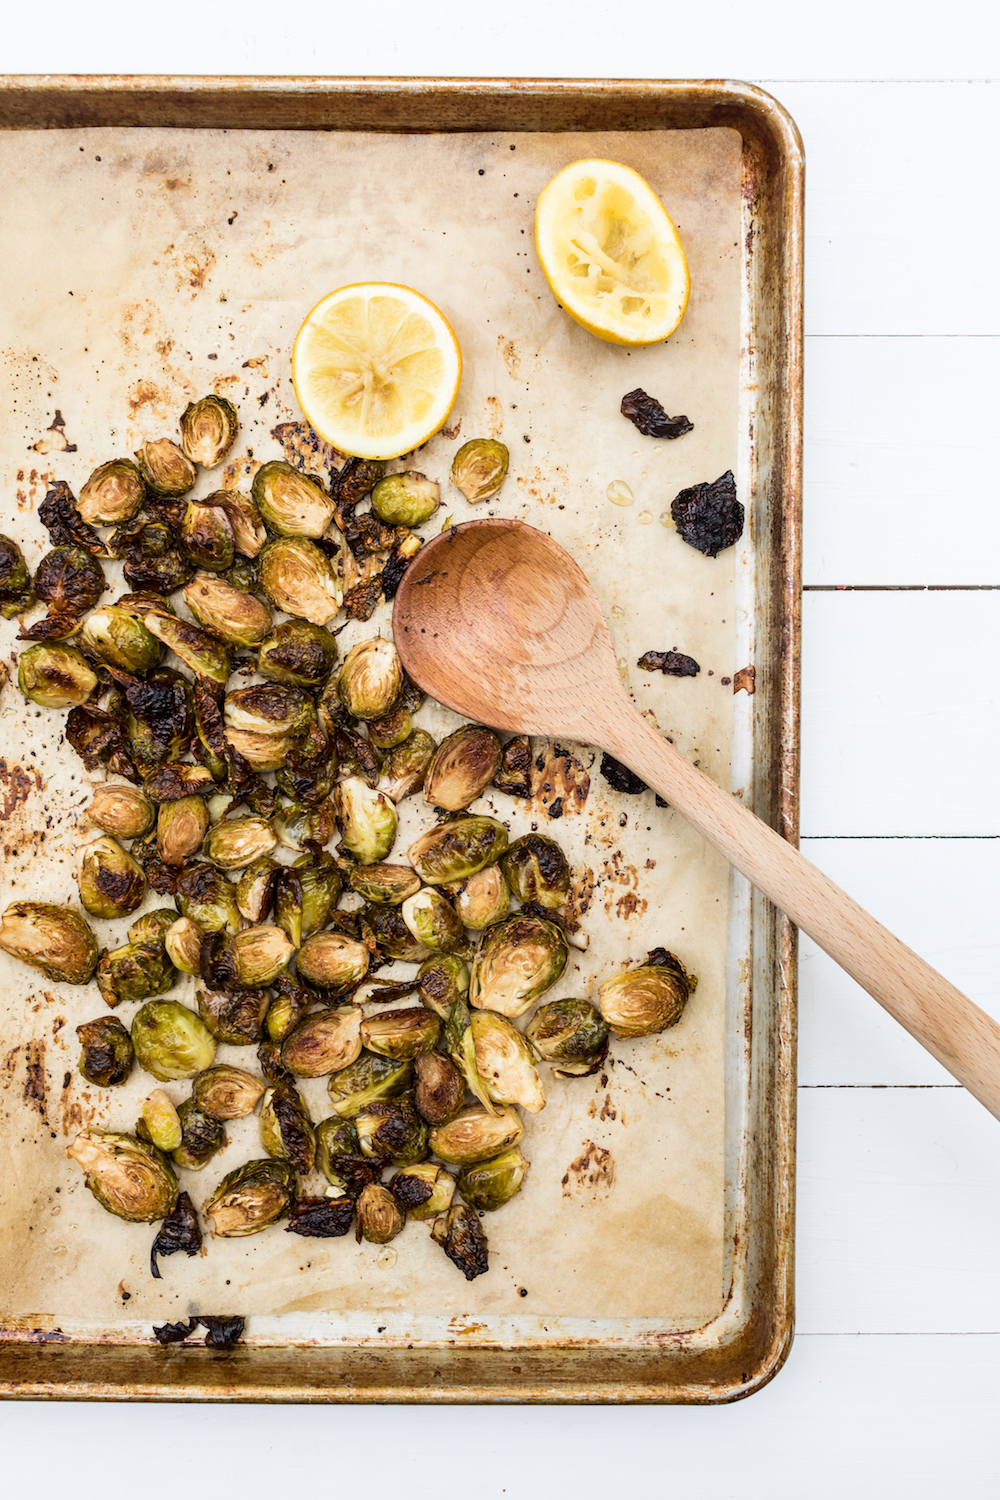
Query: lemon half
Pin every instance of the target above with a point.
(376, 369)
(611, 253)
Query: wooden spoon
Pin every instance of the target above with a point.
(496, 621)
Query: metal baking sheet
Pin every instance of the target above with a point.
(153, 262)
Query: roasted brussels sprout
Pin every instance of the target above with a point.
(332, 961)
(120, 639)
(299, 578)
(236, 1018)
(160, 720)
(206, 896)
(286, 1131)
(386, 885)
(463, 766)
(171, 1041)
(249, 531)
(394, 938)
(55, 676)
(112, 494)
(406, 765)
(369, 1078)
(121, 810)
(136, 971)
(305, 895)
(262, 953)
(128, 1177)
(299, 827)
(391, 729)
(70, 582)
(440, 1088)
(288, 1007)
(291, 503)
(106, 1055)
(648, 998)
(310, 767)
(208, 430)
(182, 942)
(226, 1093)
(461, 1048)
(423, 1189)
(166, 469)
(537, 870)
(380, 1217)
(207, 536)
(239, 842)
(251, 1198)
(298, 654)
(518, 960)
(180, 1230)
(368, 820)
(321, 1218)
(514, 775)
(407, 499)
(401, 1034)
(433, 921)
(153, 559)
(255, 892)
(570, 1034)
(461, 1237)
(339, 1158)
(111, 883)
(162, 1122)
(370, 679)
(16, 593)
(175, 781)
(204, 656)
(392, 1131)
(323, 1043)
(152, 927)
(51, 938)
(491, 1184)
(457, 849)
(474, 1135)
(180, 828)
(238, 618)
(442, 980)
(479, 468)
(202, 1137)
(483, 899)
(505, 1062)
(270, 709)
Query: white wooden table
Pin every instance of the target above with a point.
(892, 1385)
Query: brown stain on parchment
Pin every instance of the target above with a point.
(590, 1177)
(54, 439)
(547, 486)
(16, 786)
(510, 355)
(38, 481)
(493, 416)
(192, 263)
(560, 783)
(672, 1248)
(33, 1090)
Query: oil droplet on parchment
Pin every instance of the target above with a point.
(619, 493)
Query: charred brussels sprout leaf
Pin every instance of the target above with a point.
(234, 1018)
(380, 1217)
(208, 430)
(537, 870)
(570, 1034)
(648, 998)
(339, 1158)
(518, 960)
(204, 656)
(106, 1055)
(55, 676)
(394, 938)
(175, 782)
(514, 775)
(180, 1230)
(51, 938)
(251, 1198)
(286, 1131)
(236, 617)
(708, 516)
(406, 499)
(298, 654)
(479, 468)
(442, 980)
(401, 1034)
(63, 522)
(226, 1093)
(202, 1136)
(423, 1190)
(406, 765)
(290, 502)
(166, 469)
(321, 1218)
(461, 1237)
(171, 1041)
(491, 1184)
(128, 1177)
(464, 764)
(70, 582)
(457, 849)
(16, 593)
(299, 578)
(391, 1130)
(153, 559)
(646, 413)
(206, 896)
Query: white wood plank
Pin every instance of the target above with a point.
(900, 719)
(941, 896)
(898, 1212)
(900, 483)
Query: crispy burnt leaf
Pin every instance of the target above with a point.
(708, 516)
(514, 775)
(361, 602)
(461, 1237)
(220, 1333)
(100, 740)
(670, 663)
(179, 1231)
(321, 1218)
(648, 415)
(64, 524)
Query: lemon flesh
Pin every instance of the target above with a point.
(611, 253)
(376, 369)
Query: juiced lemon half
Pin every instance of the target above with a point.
(611, 253)
(376, 369)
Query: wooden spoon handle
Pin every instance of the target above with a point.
(954, 1030)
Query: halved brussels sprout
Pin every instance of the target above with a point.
(386, 885)
(461, 1237)
(648, 998)
(207, 537)
(121, 810)
(518, 960)
(128, 1177)
(310, 767)
(270, 709)
(323, 1043)
(162, 1121)
(461, 1048)
(368, 820)
(111, 883)
(166, 469)
(423, 1189)
(288, 1007)
(514, 775)
(339, 1158)
(202, 1136)
(152, 927)
(171, 1041)
(238, 842)
(262, 953)
(120, 639)
(180, 828)
(506, 1062)
(332, 961)
(406, 765)
(380, 1217)
(112, 494)
(401, 1034)
(369, 1078)
(286, 1131)
(16, 593)
(174, 781)
(370, 679)
(203, 655)
(134, 972)
(249, 531)
(391, 729)
(474, 1135)
(440, 1088)
(537, 870)
(239, 618)
(394, 938)
(297, 827)
(107, 1054)
(182, 942)
(491, 1184)
(443, 979)
(479, 468)
(208, 898)
(457, 849)
(290, 502)
(234, 1017)
(407, 499)
(391, 1130)
(305, 896)
(463, 766)
(483, 899)
(299, 578)
(208, 430)
(55, 676)
(298, 654)
(570, 1034)
(433, 921)
(226, 1093)
(251, 1198)
(255, 892)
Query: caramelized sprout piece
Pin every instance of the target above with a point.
(226, 1093)
(111, 883)
(647, 999)
(401, 1034)
(151, 928)
(251, 1198)
(440, 1088)
(121, 810)
(202, 1137)
(332, 961)
(298, 827)
(249, 531)
(291, 503)
(306, 895)
(16, 593)
(464, 764)
(299, 578)
(391, 1130)
(491, 1184)
(286, 1131)
(270, 709)
(483, 899)
(128, 1177)
(208, 430)
(514, 775)
(180, 828)
(442, 980)
(239, 842)
(54, 939)
(255, 892)
(518, 960)
(238, 618)
(298, 654)
(461, 1237)
(106, 1055)
(236, 1018)
(207, 536)
(368, 820)
(321, 1218)
(479, 468)
(171, 1041)
(262, 953)
(134, 972)
(119, 638)
(505, 1062)
(394, 938)
(174, 781)
(162, 1121)
(423, 1190)
(370, 679)
(391, 729)
(369, 1078)
(112, 494)
(288, 1007)
(339, 1158)
(208, 898)
(537, 870)
(407, 499)
(474, 1135)
(203, 655)
(386, 885)
(55, 676)
(433, 921)
(182, 942)
(323, 1043)
(166, 469)
(457, 849)
(570, 1034)
(461, 1048)
(380, 1217)
(406, 765)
